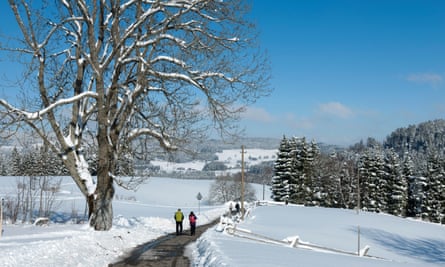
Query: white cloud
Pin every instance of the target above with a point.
(335, 109)
(432, 79)
(257, 114)
(298, 123)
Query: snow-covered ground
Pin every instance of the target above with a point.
(230, 157)
(148, 213)
(233, 157)
(392, 241)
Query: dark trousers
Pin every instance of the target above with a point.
(179, 227)
(192, 228)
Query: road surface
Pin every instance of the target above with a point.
(166, 251)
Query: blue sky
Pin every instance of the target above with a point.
(342, 70)
(348, 70)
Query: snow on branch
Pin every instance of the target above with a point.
(206, 75)
(178, 76)
(170, 59)
(162, 36)
(162, 139)
(37, 115)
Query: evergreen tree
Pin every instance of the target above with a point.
(434, 202)
(414, 187)
(30, 164)
(327, 181)
(347, 189)
(3, 166)
(298, 181)
(382, 187)
(314, 192)
(372, 186)
(318, 185)
(396, 190)
(125, 166)
(282, 172)
(16, 163)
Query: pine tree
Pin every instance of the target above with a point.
(327, 181)
(3, 165)
(396, 190)
(338, 182)
(414, 187)
(30, 163)
(317, 187)
(297, 182)
(434, 202)
(346, 190)
(372, 185)
(282, 172)
(16, 163)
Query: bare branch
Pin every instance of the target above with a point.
(23, 115)
(116, 73)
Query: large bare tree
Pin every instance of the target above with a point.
(116, 72)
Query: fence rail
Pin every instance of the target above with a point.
(296, 243)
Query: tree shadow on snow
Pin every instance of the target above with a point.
(428, 250)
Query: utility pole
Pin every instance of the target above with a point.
(358, 209)
(199, 197)
(358, 190)
(242, 182)
(264, 190)
(1, 217)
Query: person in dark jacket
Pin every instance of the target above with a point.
(192, 220)
(179, 217)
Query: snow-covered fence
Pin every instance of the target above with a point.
(42, 221)
(295, 242)
(229, 225)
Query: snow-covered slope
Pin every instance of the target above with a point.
(232, 158)
(147, 213)
(333, 234)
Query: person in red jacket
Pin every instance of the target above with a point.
(192, 220)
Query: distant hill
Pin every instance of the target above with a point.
(248, 142)
(423, 138)
(206, 149)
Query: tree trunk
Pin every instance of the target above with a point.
(90, 204)
(102, 214)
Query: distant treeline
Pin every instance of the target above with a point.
(404, 175)
(39, 161)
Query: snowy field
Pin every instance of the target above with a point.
(391, 241)
(230, 157)
(260, 240)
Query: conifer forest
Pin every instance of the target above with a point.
(403, 176)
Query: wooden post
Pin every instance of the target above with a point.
(242, 182)
(358, 191)
(1, 218)
(358, 210)
(199, 197)
(358, 240)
